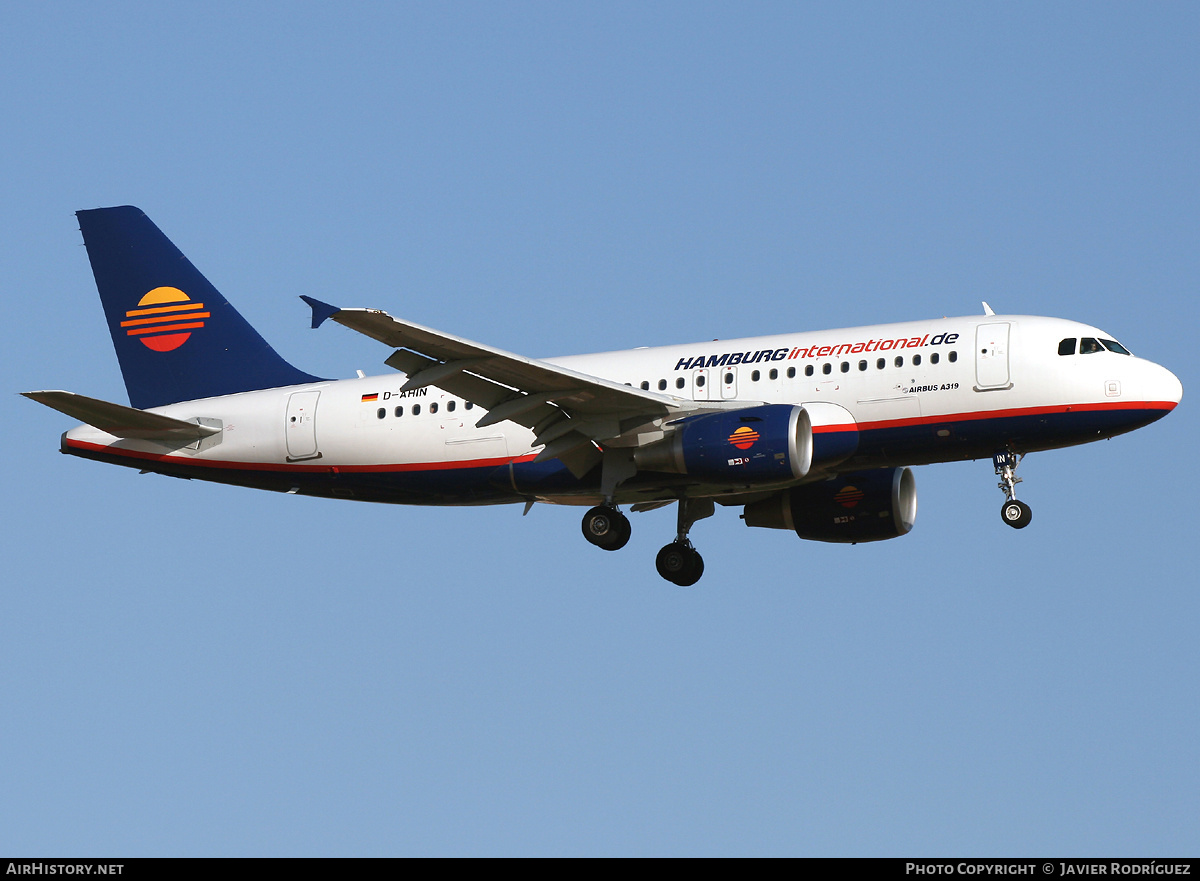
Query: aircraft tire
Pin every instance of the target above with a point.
(1016, 514)
(679, 564)
(606, 528)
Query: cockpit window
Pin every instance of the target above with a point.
(1067, 347)
(1114, 346)
(1089, 346)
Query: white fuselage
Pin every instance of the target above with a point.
(917, 392)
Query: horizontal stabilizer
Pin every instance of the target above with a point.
(121, 421)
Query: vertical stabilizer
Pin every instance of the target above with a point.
(176, 337)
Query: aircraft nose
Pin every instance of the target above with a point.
(1168, 387)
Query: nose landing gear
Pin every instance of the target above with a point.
(1016, 514)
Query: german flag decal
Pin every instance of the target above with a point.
(744, 438)
(164, 319)
(374, 397)
(848, 496)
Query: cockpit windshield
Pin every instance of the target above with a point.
(1090, 346)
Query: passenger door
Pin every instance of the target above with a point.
(991, 356)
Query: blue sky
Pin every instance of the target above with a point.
(191, 669)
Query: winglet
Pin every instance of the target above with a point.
(987, 310)
(321, 311)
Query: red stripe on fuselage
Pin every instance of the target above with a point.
(218, 464)
(976, 415)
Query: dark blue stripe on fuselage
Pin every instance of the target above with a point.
(926, 443)
(877, 447)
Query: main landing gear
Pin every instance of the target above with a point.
(679, 563)
(1016, 514)
(606, 527)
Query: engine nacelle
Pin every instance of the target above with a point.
(763, 444)
(860, 506)
(835, 434)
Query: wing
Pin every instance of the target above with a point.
(569, 412)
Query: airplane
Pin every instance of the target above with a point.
(815, 433)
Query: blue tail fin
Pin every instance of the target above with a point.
(176, 337)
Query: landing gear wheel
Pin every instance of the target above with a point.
(679, 564)
(606, 528)
(1016, 514)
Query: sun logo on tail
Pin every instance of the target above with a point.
(164, 319)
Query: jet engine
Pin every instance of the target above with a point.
(766, 444)
(859, 506)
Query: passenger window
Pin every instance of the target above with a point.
(450, 406)
(827, 368)
(700, 381)
(1067, 346)
(729, 378)
(916, 360)
(679, 382)
(433, 407)
(754, 377)
(645, 385)
(662, 385)
(468, 405)
(1089, 346)
(416, 409)
(934, 358)
(862, 365)
(399, 411)
(880, 364)
(953, 357)
(899, 360)
(1114, 346)
(380, 413)
(791, 373)
(845, 367)
(808, 370)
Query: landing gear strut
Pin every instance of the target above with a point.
(1016, 514)
(679, 562)
(606, 527)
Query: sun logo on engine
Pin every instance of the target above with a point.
(744, 438)
(165, 319)
(849, 496)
